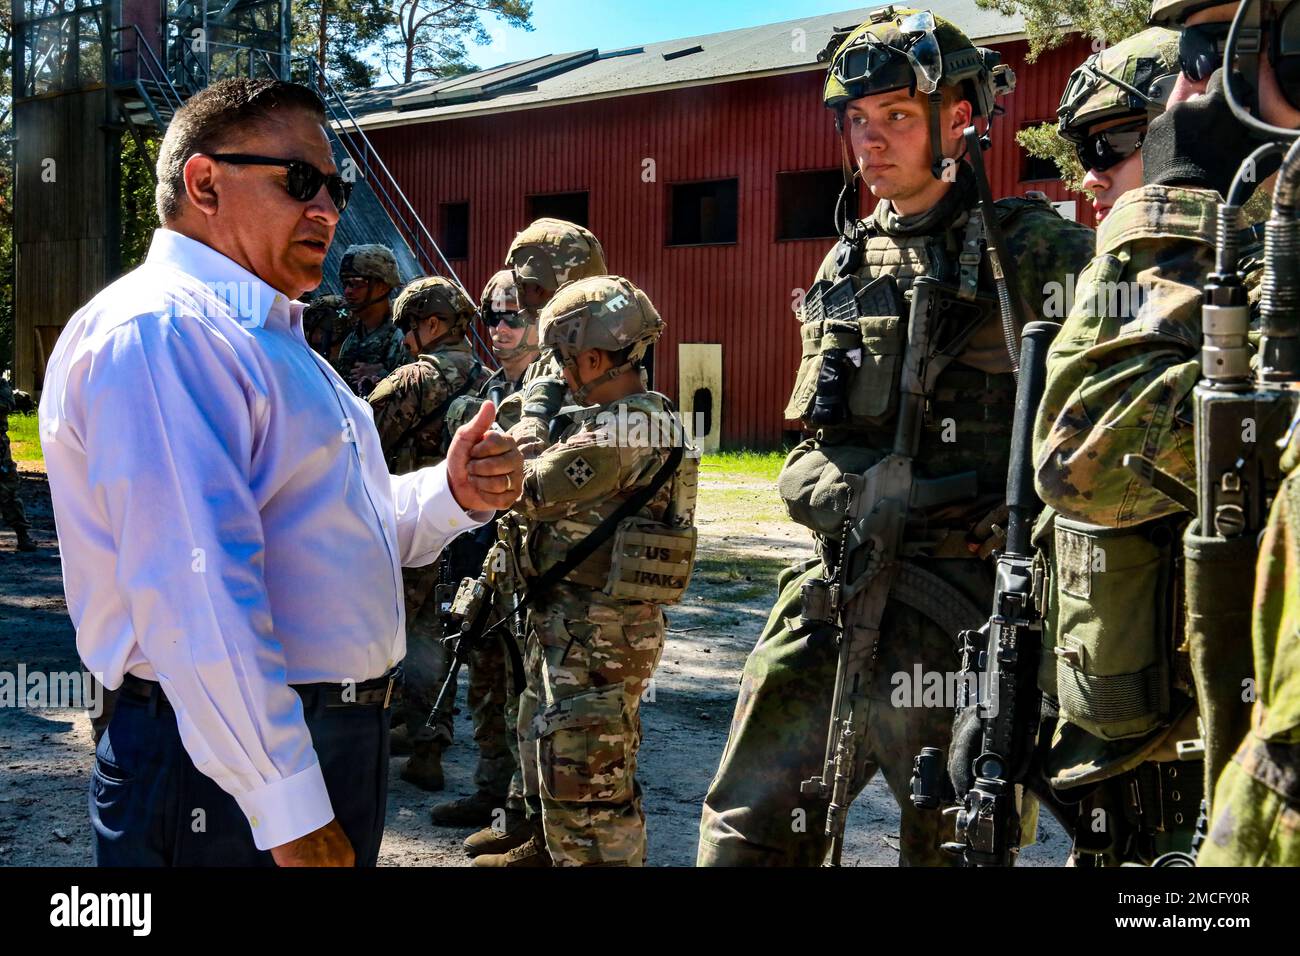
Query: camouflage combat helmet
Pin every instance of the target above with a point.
(370, 261)
(434, 296)
(320, 309)
(901, 47)
(1133, 78)
(603, 312)
(501, 295)
(551, 252)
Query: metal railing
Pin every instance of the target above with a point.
(152, 66)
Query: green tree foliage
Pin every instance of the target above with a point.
(429, 37)
(1046, 21)
(337, 34)
(139, 216)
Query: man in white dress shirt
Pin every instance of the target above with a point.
(232, 541)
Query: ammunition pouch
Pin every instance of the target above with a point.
(644, 560)
(1115, 593)
(1220, 583)
(853, 341)
(813, 487)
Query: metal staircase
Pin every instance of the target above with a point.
(149, 93)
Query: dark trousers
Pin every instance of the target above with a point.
(149, 806)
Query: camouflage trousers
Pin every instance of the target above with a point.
(11, 506)
(754, 813)
(426, 666)
(587, 666)
(1256, 808)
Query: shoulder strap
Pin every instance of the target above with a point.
(584, 549)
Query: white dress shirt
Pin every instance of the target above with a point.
(227, 523)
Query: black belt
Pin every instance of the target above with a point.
(370, 693)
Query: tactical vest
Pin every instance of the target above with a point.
(967, 425)
(650, 556)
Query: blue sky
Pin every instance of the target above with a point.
(564, 25)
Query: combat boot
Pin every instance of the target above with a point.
(25, 542)
(424, 767)
(490, 840)
(533, 853)
(467, 811)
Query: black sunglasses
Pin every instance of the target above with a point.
(304, 180)
(1200, 49)
(514, 320)
(1101, 151)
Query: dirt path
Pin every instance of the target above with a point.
(745, 538)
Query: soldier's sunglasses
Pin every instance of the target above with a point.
(304, 180)
(1102, 150)
(1200, 49)
(513, 320)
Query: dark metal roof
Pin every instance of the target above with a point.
(785, 47)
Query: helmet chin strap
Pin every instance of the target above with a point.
(584, 390)
(936, 104)
(367, 304)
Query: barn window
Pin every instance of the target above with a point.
(454, 217)
(806, 204)
(1033, 167)
(571, 207)
(703, 213)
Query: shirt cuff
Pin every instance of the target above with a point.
(290, 808)
(428, 510)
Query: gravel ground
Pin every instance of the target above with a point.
(45, 756)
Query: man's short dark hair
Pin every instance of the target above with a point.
(208, 119)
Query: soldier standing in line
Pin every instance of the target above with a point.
(594, 637)
(903, 87)
(410, 407)
(373, 346)
(1126, 750)
(491, 697)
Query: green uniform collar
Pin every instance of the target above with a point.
(1159, 212)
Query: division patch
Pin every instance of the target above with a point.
(579, 472)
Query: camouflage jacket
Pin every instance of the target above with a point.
(1121, 371)
(382, 345)
(411, 404)
(598, 463)
(7, 403)
(1277, 611)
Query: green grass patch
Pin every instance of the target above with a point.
(764, 465)
(737, 577)
(24, 438)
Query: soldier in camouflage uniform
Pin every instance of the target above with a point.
(1108, 103)
(595, 637)
(1120, 377)
(11, 506)
(544, 257)
(410, 406)
(319, 321)
(490, 695)
(904, 143)
(373, 346)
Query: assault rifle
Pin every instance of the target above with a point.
(999, 675)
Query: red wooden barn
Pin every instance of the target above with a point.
(706, 166)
